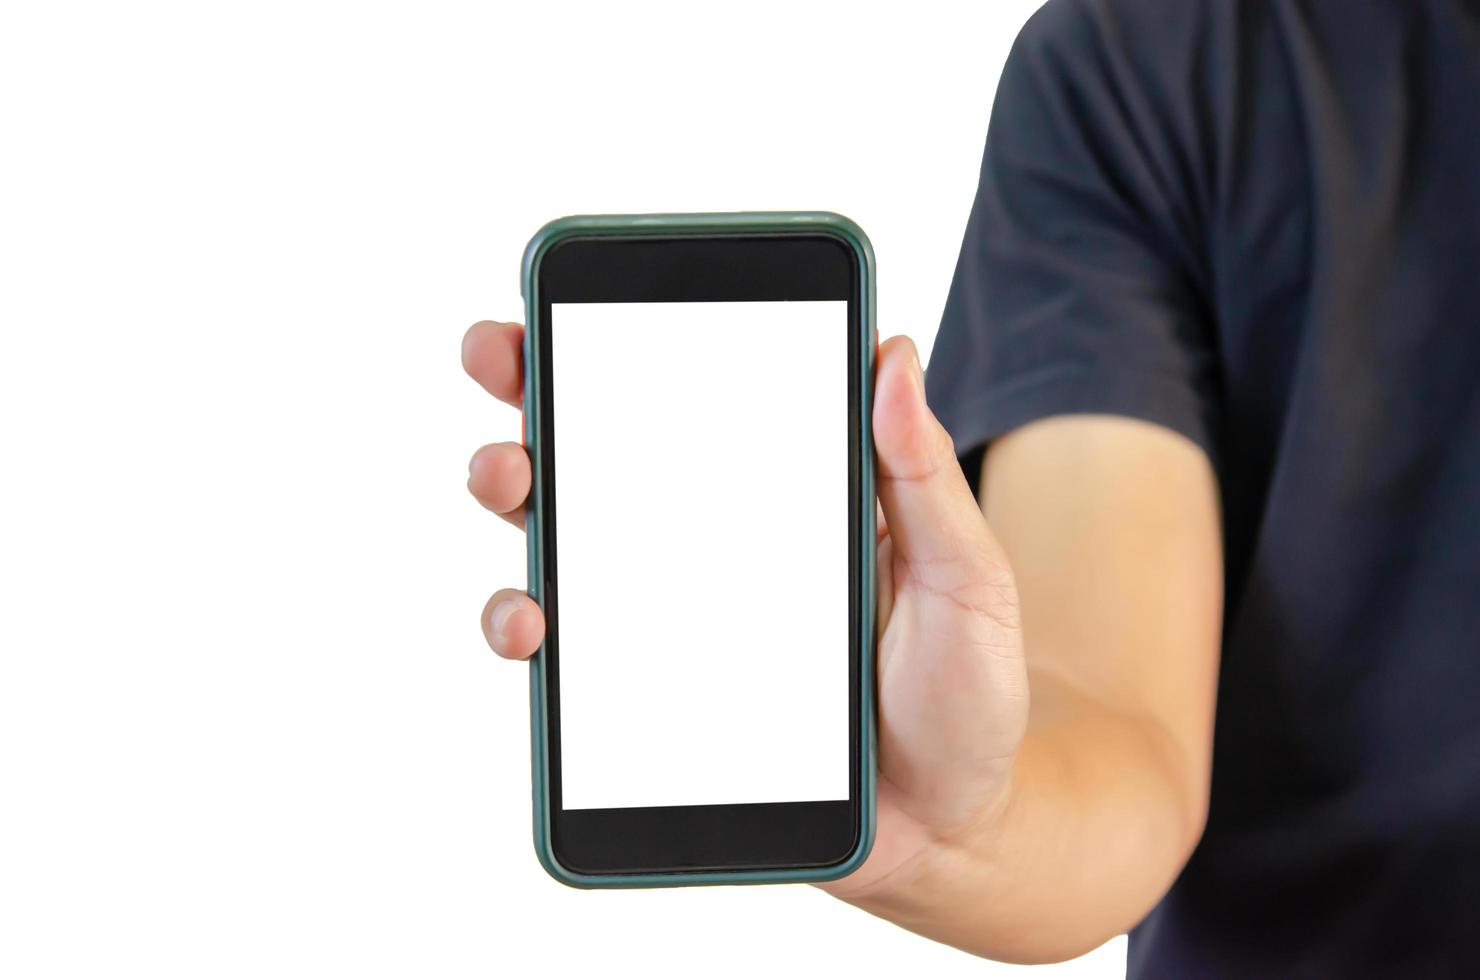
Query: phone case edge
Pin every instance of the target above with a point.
(663, 224)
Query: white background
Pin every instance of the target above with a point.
(248, 725)
(699, 470)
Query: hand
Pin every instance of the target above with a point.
(953, 690)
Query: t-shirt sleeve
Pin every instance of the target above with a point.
(1080, 284)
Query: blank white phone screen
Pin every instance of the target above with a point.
(701, 508)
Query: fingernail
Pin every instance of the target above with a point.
(917, 371)
(499, 618)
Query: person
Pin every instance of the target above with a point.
(1211, 369)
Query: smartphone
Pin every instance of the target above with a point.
(701, 534)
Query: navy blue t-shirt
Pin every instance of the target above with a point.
(1257, 223)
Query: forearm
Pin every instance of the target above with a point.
(1100, 814)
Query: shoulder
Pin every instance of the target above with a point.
(1142, 32)
(1139, 90)
(1153, 18)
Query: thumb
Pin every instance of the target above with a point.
(934, 521)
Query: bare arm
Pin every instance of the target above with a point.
(1111, 527)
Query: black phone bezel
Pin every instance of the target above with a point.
(690, 267)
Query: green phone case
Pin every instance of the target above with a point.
(663, 225)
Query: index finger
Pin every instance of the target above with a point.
(493, 356)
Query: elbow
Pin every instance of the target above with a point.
(1195, 822)
(1193, 782)
(1056, 942)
